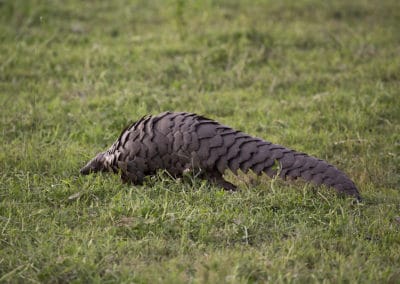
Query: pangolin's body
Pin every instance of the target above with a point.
(177, 142)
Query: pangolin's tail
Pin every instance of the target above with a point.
(241, 151)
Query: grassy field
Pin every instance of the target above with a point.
(322, 77)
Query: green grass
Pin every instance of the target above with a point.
(322, 77)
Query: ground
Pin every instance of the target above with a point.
(321, 77)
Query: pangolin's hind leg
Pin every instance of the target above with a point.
(217, 179)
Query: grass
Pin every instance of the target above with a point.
(319, 77)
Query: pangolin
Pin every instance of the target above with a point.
(178, 141)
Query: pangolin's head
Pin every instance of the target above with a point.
(97, 164)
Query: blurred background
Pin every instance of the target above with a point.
(277, 69)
